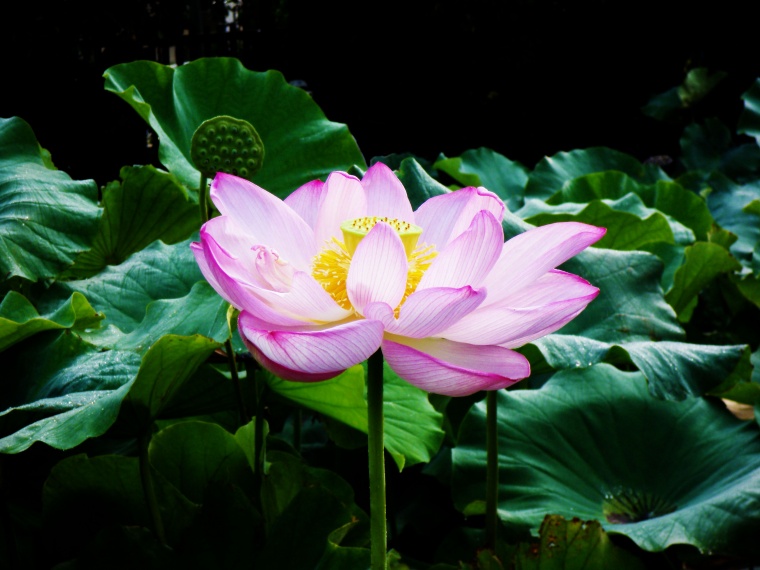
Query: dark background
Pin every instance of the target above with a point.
(526, 78)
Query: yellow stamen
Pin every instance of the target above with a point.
(330, 266)
(330, 269)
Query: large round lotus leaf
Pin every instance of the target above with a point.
(593, 444)
(300, 143)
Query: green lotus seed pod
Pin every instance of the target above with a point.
(221, 137)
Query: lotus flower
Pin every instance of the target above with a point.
(343, 267)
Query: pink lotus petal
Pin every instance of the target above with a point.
(258, 265)
(428, 312)
(378, 269)
(454, 369)
(529, 255)
(266, 218)
(304, 300)
(219, 268)
(310, 353)
(552, 286)
(306, 201)
(507, 326)
(235, 262)
(444, 217)
(200, 257)
(236, 293)
(234, 240)
(468, 258)
(379, 311)
(386, 195)
(537, 332)
(343, 198)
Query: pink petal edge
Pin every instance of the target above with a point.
(454, 369)
(386, 195)
(310, 353)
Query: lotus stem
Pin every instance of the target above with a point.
(203, 199)
(232, 363)
(149, 489)
(378, 528)
(259, 450)
(492, 468)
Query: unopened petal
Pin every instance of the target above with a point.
(265, 217)
(245, 296)
(310, 353)
(304, 299)
(343, 198)
(386, 195)
(444, 217)
(220, 270)
(529, 255)
(378, 269)
(468, 258)
(306, 201)
(454, 369)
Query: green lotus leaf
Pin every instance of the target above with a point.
(72, 394)
(123, 292)
(697, 84)
(749, 120)
(46, 218)
(193, 455)
(207, 392)
(749, 285)
(78, 391)
(419, 185)
(338, 557)
(313, 504)
(664, 106)
(82, 495)
(727, 201)
(662, 218)
(630, 305)
(746, 391)
(147, 205)
(300, 143)
(681, 206)
(709, 147)
(631, 323)
(551, 173)
(201, 312)
(592, 444)
(226, 533)
(413, 431)
(703, 262)
(19, 319)
(625, 231)
(495, 172)
(574, 544)
(164, 369)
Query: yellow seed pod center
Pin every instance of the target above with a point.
(330, 266)
(355, 230)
